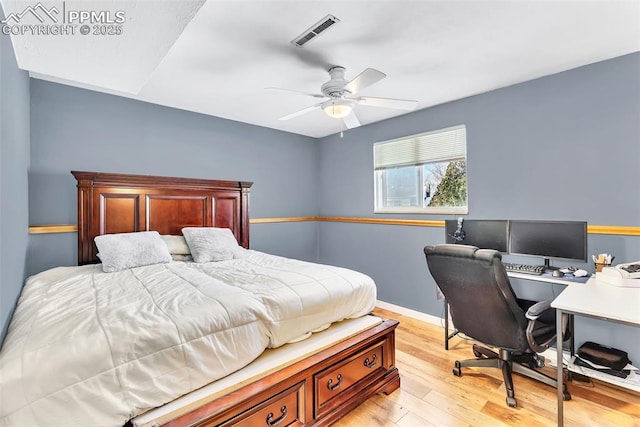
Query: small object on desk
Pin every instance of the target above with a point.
(557, 273)
(580, 273)
(632, 270)
(602, 260)
(625, 275)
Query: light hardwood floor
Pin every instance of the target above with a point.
(430, 395)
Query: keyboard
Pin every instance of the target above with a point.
(524, 268)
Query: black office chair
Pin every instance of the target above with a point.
(484, 307)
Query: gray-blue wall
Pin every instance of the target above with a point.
(76, 129)
(563, 147)
(14, 163)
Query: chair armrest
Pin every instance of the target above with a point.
(532, 314)
(537, 309)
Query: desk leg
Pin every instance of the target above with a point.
(572, 343)
(447, 335)
(446, 325)
(559, 364)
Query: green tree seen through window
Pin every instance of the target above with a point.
(452, 190)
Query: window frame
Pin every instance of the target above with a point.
(377, 187)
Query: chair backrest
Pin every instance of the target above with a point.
(481, 301)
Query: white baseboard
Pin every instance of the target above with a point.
(418, 315)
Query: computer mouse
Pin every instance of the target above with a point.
(557, 273)
(580, 273)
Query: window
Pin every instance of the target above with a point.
(425, 173)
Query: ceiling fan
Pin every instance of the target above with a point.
(341, 96)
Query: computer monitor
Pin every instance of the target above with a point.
(565, 240)
(482, 233)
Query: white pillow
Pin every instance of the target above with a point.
(211, 243)
(128, 250)
(176, 244)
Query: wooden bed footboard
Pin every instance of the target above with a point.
(315, 391)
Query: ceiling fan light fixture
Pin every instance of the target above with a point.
(337, 108)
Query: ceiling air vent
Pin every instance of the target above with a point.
(315, 30)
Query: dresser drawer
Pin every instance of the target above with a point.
(285, 409)
(335, 383)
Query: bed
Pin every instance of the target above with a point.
(250, 340)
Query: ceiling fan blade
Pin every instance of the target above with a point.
(299, 92)
(399, 104)
(364, 79)
(351, 121)
(301, 112)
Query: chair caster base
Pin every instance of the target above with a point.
(566, 395)
(511, 402)
(457, 371)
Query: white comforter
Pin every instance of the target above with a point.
(300, 297)
(91, 348)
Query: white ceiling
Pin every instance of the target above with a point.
(217, 57)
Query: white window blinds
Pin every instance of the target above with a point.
(429, 147)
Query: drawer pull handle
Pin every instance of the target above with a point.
(272, 422)
(372, 363)
(336, 386)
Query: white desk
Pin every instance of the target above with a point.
(594, 299)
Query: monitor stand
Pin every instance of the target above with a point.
(548, 267)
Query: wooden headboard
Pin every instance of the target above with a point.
(117, 203)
